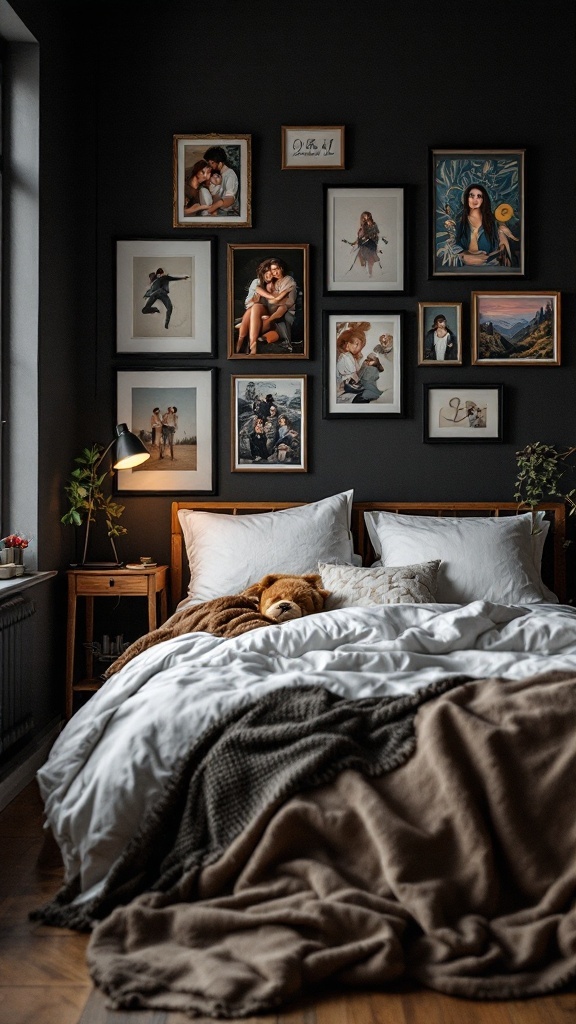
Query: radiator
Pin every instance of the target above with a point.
(16, 639)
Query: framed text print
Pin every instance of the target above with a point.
(313, 148)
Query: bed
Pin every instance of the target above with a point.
(382, 791)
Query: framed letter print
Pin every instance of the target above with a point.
(362, 364)
(439, 333)
(165, 297)
(462, 412)
(212, 181)
(173, 412)
(364, 239)
(268, 419)
(516, 329)
(268, 301)
(314, 148)
(477, 213)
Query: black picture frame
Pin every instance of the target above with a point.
(456, 413)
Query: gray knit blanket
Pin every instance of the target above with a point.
(289, 740)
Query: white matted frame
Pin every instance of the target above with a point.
(516, 328)
(363, 359)
(364, 255)
(315, 147)
(447, 347)
(187, 461)
(279, 445)
(187, 150)
(165, 316)
(469, 413)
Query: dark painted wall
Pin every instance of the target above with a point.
(119, 79)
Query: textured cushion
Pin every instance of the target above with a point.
(404, 584)
(228, 553)
(483, 558)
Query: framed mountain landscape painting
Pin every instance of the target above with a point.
(518, 328)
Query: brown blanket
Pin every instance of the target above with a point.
(457, 869)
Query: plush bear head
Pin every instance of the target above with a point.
(283, 597)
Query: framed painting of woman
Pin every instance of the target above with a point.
(477, 224)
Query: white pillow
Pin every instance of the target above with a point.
(483, 558)
(228, 553)
(404, 584)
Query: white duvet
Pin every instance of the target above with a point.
(110, 762)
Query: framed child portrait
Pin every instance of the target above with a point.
(365, 247)
(477, 204)
(269, 433)
(439, 333)
(268, 301)
(212, 181)
(363, 357)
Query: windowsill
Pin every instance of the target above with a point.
(18, 583)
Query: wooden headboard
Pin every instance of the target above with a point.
(553, 561)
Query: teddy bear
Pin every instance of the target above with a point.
(276, 598)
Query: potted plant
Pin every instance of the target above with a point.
(86, 497)
(544, 472)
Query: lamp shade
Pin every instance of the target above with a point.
(130, 451)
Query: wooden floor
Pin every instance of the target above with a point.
(43, 976)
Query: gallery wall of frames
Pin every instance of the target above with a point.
(167, 301)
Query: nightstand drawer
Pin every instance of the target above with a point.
(98, 585)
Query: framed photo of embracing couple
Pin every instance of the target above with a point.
(212, 181)
(477, 224)
(268, 301)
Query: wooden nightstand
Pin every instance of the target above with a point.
(91, 583)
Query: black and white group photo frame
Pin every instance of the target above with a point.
(477, 204)
(362, 363)
(212, 181)
(365, 243)
(269, 428)
(173, 412)
(165, 297)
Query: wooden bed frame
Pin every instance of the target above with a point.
(553, 561)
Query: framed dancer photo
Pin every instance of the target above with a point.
(165, 297)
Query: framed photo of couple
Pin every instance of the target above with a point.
(212, 181)
(365, 245)
(363, 357)
(269, 431)
(173, 412)
(477, 204)
(268, 299)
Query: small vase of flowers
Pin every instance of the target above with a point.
(12, 548)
